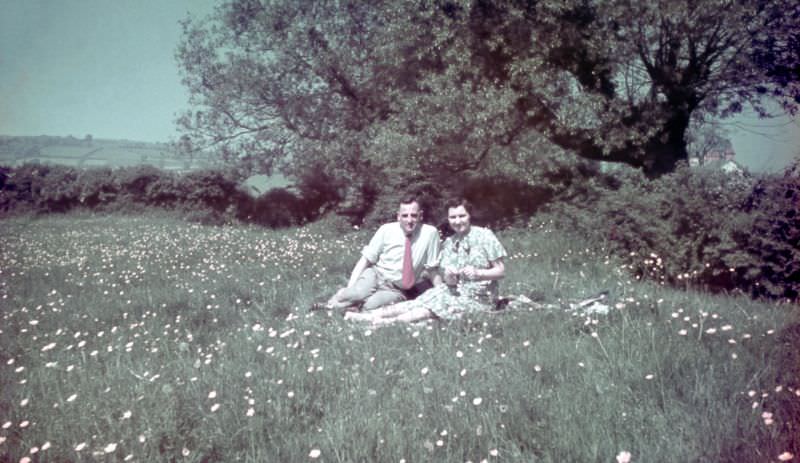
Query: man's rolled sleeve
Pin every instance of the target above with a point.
(432, 252)
(373, 249)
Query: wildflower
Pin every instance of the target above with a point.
(110, 448)
(650, 376)
(72, 397)
(45, 446)
(683, 332)
(185, 452)
(494, 452)
(314, 453)
(215, 407)
(212, 394)
(25, 460)
(624, 457)
(80, 446)
(424, 371)
(250, 411)
(785, 456)
(477, 401)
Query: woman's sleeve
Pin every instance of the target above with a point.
(494, 250)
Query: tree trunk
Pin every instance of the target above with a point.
(664, 152)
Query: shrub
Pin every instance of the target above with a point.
(773, 240)
(97, 187)
(276, 208)
(165, 191)
(320, 193)
(40, 188)
(213, 188)
(132, 184)
(702, 228)
(59, 191)
(501, 200)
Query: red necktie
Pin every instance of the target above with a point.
(408, 266)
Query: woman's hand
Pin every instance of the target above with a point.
(450, 276)
(470, 272)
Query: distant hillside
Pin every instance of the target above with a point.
(89, 152)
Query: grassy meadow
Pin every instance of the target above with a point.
(149, 339)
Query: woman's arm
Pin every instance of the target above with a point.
(496, 271)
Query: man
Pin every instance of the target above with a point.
(393, 263)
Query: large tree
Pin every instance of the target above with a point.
(443, 86)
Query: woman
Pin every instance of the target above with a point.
(472, 261)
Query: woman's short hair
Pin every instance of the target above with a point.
(453, 203)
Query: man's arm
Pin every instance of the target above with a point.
(361, 265)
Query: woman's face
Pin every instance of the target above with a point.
(459, 219)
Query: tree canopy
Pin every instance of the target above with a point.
(437, 87)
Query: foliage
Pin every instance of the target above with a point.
(134, 182)
(40, 187)
(276, 208)
(210, 196)
(96, 188)
(213, 188)
(774, 239)
(380, 89)
(697, 228)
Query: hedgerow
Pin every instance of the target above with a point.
(709, 229)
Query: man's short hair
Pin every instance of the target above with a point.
(408, 199)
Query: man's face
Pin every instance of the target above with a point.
(409, 217)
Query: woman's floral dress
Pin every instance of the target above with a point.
(479, 247)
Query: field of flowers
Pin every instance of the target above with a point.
(149, 339)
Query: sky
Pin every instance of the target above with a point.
(107, 68)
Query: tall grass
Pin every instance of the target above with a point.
(148, 339)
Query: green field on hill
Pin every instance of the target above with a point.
(15, 151)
